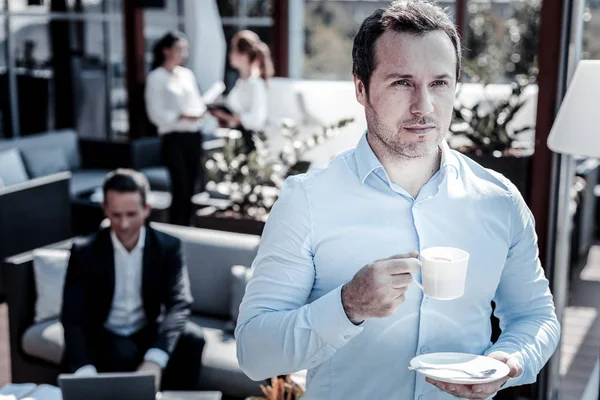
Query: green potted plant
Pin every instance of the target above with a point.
(485, 127)
(252, 180)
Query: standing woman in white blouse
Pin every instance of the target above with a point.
(174, 105)
(248, 99)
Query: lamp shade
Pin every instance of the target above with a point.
(576, 129)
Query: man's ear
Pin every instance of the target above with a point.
(361, 91)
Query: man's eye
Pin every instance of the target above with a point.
(440, 83)
(401, 82)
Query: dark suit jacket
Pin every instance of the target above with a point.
(89, 288)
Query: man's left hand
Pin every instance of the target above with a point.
(484, 390)
(154, 369)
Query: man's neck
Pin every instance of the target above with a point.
(130, 243)
(409, 173)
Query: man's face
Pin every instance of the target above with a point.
(126, 213)
(411, 93)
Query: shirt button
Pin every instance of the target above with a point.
(424, 350)
(421, 398)
(347, 337)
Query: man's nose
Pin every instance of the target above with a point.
(421, 103)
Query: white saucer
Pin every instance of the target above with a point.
(468, 362)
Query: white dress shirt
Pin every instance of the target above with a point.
(169, 95)
(248, 99)
(127, 314)
(330, 222)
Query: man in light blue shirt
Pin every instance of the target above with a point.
(332, 288)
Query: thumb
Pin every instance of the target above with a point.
(515, 367)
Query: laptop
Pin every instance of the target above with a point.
(113, 386)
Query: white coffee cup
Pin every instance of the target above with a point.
(443, 272)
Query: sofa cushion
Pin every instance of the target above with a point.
(50, 268)
(43, 161)
(65, 139)
(158, 177)
(86, 179)
(45, 341)
(210, 254)
(12, 169)
(220, 368)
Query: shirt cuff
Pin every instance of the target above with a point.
(86, 370)
(157, 356)
(329, 320)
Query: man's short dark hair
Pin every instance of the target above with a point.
(127, 181)
(416, 17)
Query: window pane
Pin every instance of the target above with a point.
(259, 8)
(228, 8)
(35, 78)
(591, 30)
(91, 81)
(501, 40)
(40, 6)
(330, 27)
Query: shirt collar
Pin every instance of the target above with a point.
(117, 245)
(367, 162)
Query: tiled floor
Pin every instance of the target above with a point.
(581, 330)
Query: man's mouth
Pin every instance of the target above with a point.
(419, 128)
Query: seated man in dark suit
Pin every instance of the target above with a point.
(127, 295)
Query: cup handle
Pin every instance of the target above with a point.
(416, 282)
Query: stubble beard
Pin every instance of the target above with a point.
(391, 142)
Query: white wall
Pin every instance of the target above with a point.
(208, 50)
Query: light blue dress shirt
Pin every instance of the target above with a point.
(329, 223)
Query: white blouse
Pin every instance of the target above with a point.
(170, 94)
(248, 99)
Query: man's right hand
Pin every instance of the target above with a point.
(378, 289)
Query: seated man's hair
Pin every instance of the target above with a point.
(125, 180)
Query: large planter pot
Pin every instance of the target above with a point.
(209, 218)
(516, 168)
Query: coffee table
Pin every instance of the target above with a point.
(177, 395)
